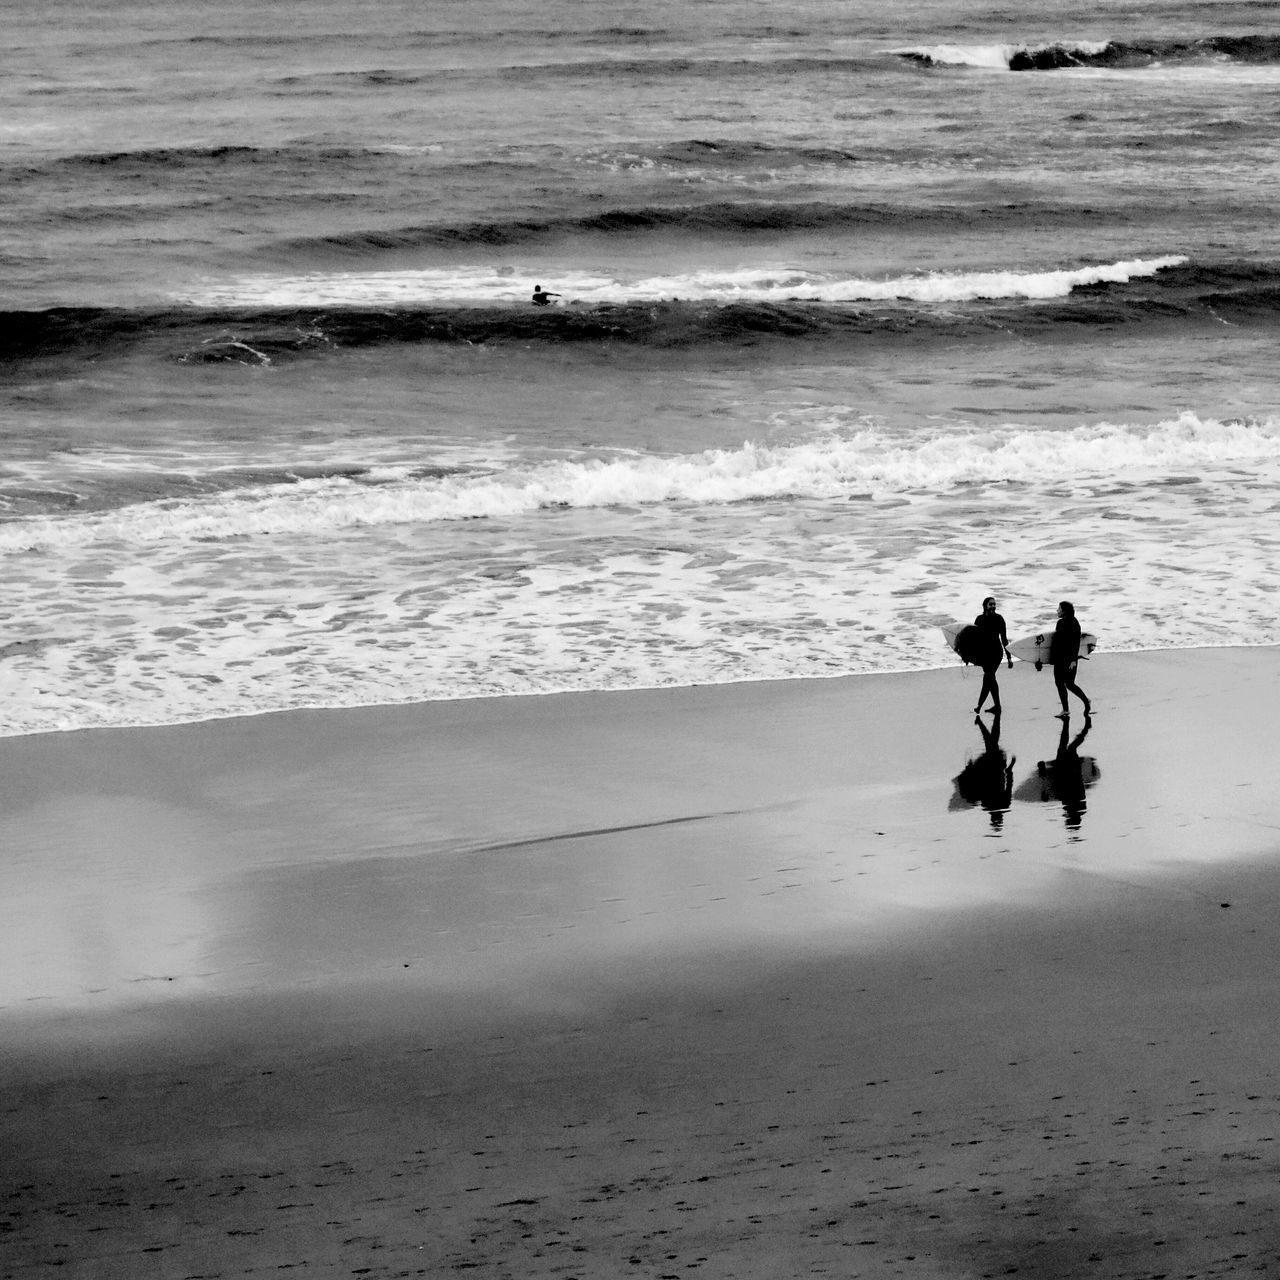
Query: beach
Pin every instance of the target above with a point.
(731, 980)
(483, 786)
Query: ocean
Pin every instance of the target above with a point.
(864, 312)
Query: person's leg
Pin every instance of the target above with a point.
(1072, 687)
(989, 686)
(1061, 679)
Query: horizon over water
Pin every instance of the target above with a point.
(863, 316)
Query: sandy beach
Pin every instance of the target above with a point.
(729, 981)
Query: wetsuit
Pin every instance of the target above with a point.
(989, 653)
(995, 640)
(1064, 653)
(1064, 648)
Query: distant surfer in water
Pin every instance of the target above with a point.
(1064, 656)
(541, 298)
(993, 646)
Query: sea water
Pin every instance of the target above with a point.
(865, 312)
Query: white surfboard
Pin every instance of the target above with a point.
(1036, 648)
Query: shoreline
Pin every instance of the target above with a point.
(946, 664)
(730, 980)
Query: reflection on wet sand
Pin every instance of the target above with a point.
(987, 779)
(1065, 778)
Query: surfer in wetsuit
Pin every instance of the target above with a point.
(993, 646)
(1064, 656)
(541, 298)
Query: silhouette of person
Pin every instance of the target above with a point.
(1064, 656)
(541, 298)
(1066, 777)
(993, 645)
(987, 779)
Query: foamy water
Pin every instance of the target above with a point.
(829, 557)
(761, 283)
(995, 57)
(866, 463)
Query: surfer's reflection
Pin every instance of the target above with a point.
(987, 780)
(1065, 778)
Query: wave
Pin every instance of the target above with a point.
(762, 284)
(866, 463)
(744, 218)
(704, 154)
(609, 35)
(1105, 54)
(99, 485)
(678, 66)
(744, 307)
(161, 160)
(229, 155)
(727, 153)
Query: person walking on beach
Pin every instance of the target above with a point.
(993, 646)
(541, 298)
(1064, 656)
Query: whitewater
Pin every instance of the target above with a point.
(763, 283)
(869, 463)
(835, 555)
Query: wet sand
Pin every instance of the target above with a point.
(728, 981)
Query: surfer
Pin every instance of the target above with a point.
(1064, 656)
(541, 298)
(993, 646)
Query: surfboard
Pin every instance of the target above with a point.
(965, 639)
(1036, 648)
(1045, 784)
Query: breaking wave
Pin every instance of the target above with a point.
(1104, 54)
(869, 463)
(261, 320)
(717, 218)
(757, 284)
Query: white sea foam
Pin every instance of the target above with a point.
(641, 571)
(994, 57)
(771, 283)
(869, 461)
